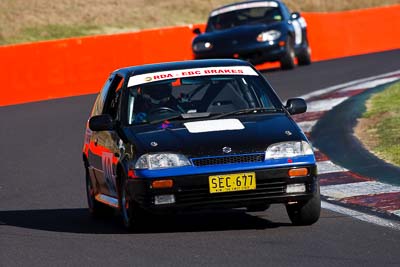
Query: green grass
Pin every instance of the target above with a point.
(384, 109)
(50, 32)
(35, 20)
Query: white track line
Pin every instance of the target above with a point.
(324, 105)
(348, 84)
(370, 84)
(361, 216)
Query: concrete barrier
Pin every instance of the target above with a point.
(341, 34)
(77, 66)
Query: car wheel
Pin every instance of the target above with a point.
(132, 215)
(259, 207)
(96, 209)
(287, 60)
(304, 58)
(305, 213)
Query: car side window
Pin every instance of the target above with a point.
(113, 97)
(101, 97)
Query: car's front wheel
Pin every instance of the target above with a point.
(305, 213)
(132, 215)
(304, 57)
(288, 59)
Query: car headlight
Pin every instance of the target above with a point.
(271, 35)
(161, 161)
(288, 150)
(202, 46)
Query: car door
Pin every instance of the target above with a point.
(104, 148)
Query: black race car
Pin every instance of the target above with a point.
(198, 134)
(257, 31)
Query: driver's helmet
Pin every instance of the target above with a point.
(157, 93)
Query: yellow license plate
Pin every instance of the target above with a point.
(232, 182)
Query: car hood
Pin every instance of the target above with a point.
(241, 34)
(257, 133)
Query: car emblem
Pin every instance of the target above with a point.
(154, 144)
(288, 133)
(148, 79)
(226, 149)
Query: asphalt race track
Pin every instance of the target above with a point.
(44, 222)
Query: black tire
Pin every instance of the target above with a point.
(304, 58)
(305, 213)
(96, 209)
(133, 217)
(258, 207)
(287, 60)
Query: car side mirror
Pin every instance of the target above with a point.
(296, 106)
(295, 15)
(101, 123)
(196, 31)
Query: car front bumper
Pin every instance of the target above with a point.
(255, 53)
(192, 191)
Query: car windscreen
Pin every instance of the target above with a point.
(245, 16)
(198, 96)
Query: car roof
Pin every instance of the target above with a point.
(245, 2)
(188, 64)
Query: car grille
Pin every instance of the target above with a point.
(247, 158)
(265, 189)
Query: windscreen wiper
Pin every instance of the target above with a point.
(247, 111)
(184, 116)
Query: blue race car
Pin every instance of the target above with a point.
(195, 135)
(257, 31)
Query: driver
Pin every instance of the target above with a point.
(157, 94)
(155, 97)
